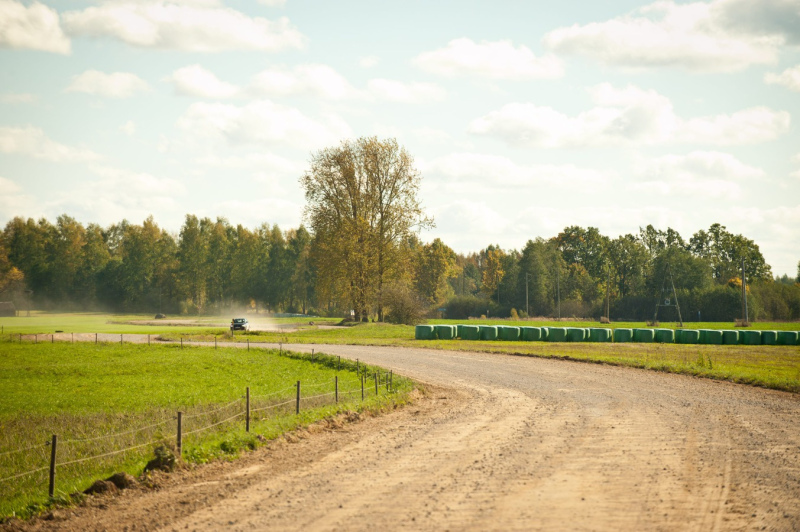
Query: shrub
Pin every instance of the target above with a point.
(403, 305)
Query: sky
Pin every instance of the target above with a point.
(523, 117)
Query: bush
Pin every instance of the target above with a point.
(463, 307)
(403, 305)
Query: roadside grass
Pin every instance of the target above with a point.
(102, 398)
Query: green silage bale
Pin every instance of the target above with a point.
(530, 334)
(459, 331)
(769, 337)
(556, 334)
(644, 336)
(787, 337)
(704, 336)
(510, 334)
(623, 335)
(713, 337)
(470, 332)
(599, 335)
(575, 334)
(690, 336)
(678, 333)
(750, 337)
(665, 336)
(445, 332)
(730, 337)
(424, 332)
(545, 333)
(488, 332)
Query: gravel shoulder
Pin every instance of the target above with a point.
(503, 443)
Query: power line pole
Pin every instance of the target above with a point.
(527, 307)
(745, 313)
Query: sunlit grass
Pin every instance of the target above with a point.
(93, 396)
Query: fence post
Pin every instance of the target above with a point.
(181, 342)
(391, 384)
(73, 338)
(52, 488)
(336, 385)
(280, 348)
(20, 337)
(120, 339)
(312, 353)
(248, 344)
(362, 387)
(338, 363)
(215, 342)
(387, 382)
(297, 408)
(148, 340)
(52, 338)
(376, 382)
(35, 338)
(180, 435)
(247, 416)
(95, 338)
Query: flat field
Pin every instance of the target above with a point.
(103, 399)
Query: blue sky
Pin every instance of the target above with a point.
(523, 117)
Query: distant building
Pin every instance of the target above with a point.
(7, 309)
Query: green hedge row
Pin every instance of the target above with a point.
(577, 334)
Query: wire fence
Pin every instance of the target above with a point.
(61, 465)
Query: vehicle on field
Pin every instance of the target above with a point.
(240, 324)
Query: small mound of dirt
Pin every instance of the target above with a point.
(122, 481)
(100, 487)
(161, 316)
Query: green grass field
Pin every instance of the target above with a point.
(102, 398)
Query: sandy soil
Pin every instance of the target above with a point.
(500, 443)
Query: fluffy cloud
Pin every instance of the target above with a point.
(196, 81)
(398, 91)
(13, 201)
(33, 27)
(695, 36)
(188, 26)
(33, 142)
(261, 122)
(702, 173)
(789, 78)
(114, 85)
(629, 116)
(284, 212)
(129, 128)
(761, 18)
(311, 80)
(496, 60)
(494, 171)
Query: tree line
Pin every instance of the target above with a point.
(211, 266)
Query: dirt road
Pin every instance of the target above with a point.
(505, 443)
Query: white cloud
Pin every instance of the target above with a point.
(493, 171)
(114, 85)
(629, 116)
(310, 80)
(368, 61)
(281, 211)
(665, 34)
(431, 135)
(13, 201)
(33, 142)
(261, 122)
(32, 27)
(398, 91)
(129, 128)
(761, 18)
(495, 60)
(196, 81)
(136, 183)
(266, 164)
(789, 78)
(700, 173)
(13, 98)
(192, 26)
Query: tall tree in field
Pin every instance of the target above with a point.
(493, 271)
(435, 264)
(362, 204)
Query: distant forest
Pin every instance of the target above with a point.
(212, 267)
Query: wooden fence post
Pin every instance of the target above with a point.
(248, 344)
(120, 339)
(376, 383)
(297, 408)
(247, 416)
(336, 385)
(391, 384)
(35, 338)
(362, 387)
(338, 363)
(52, 488)
(180, 435)
(52, 338)
(215, 342)
(95, 338)
(181, 342)
(73, 338)
(148, 340)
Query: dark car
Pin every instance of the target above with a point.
(240, 324)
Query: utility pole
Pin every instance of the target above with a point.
(527, 307)
(608, 294)
(558, 292)
(745, 313)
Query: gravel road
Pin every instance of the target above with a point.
(504, 443)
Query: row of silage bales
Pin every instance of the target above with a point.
(556, 334)
(664, 336)
(750, 337)
(730, 337)
(469, 332)
(446, 332)
(576, 334)
(644, 336)
(488, 332)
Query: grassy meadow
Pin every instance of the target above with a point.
(100, 399)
